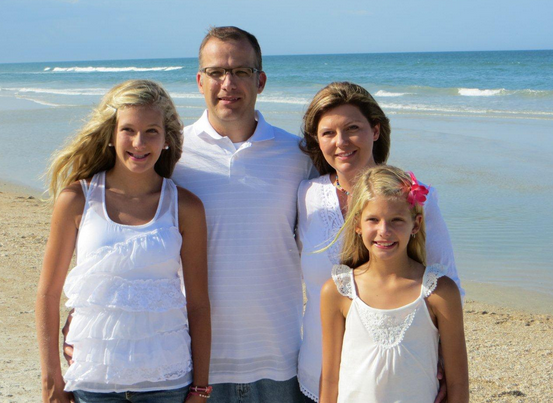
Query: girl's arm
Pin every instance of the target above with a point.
(333, 325)
(66, 216)
(445, 304)
(193, 229)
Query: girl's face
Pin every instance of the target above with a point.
(385, 226)
(346, 139)
(139, 138)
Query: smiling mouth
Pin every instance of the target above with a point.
(384, 245)
(346, 155)
(229, 99)
(138, 157)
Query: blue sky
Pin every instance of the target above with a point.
(69, 30)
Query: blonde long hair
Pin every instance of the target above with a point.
(389, 182)
(89, 153)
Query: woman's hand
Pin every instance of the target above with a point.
(442, 392)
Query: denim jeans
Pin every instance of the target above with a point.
(156, 396)
(262, 391)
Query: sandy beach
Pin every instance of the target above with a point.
(510, 351)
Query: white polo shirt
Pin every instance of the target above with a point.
(255, 285)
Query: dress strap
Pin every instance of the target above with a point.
(173, 187)
(430, 279)
(343, 278)
(84, 185)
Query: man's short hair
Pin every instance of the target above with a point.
(230, 33)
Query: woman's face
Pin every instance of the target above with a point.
(346, 139)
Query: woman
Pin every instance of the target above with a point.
(345, 131)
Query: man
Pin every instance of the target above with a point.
(246, 172)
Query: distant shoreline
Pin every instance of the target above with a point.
(280, 55)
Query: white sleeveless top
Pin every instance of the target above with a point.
(388, 355)
(130, 327)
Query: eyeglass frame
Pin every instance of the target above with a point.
(230, 71)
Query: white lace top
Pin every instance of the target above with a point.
(388, 355)
(319, 219)
(130, 327)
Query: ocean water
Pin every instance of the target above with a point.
(476, 125)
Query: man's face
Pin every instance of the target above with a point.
(230, 100)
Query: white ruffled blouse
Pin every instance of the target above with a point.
(129, 327)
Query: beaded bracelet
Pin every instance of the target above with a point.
(201, 391)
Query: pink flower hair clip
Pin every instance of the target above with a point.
(417, 193)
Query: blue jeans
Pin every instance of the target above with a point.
(262, 391)
(156, 396)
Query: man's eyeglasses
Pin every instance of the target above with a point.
(219, 73)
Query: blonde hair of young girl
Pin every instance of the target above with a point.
(391, 183)
(89, 153)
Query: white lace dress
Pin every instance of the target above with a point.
(388, 355)
(319, 220)
(130, 327)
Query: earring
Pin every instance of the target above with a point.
(110, 144)
(166, 147)
(413, 235)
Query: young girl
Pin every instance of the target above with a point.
(137, 238)
(383, 312)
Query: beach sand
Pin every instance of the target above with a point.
(510, 351)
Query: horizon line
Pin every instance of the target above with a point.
(292, 54)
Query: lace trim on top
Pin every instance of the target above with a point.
(308, 393)
(331, 217)
(343, 278)
(386, 329)
(430, 279)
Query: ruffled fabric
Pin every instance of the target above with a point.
(135, 254)
(86, 371)
(169, 348)
(130, 325)
(118, 324)
(342, 276)
(430, 279)
(130, 295)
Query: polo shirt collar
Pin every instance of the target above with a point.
(263, 130)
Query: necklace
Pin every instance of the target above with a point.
(340, 188)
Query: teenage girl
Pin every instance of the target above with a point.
(383, 312)
(137, 237)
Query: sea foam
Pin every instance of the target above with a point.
(67, 91)
(475, 92)
(111, 69)
(383, 93)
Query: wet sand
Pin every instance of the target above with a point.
(510, 350)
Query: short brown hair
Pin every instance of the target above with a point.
(230, 33)
(334, 95)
